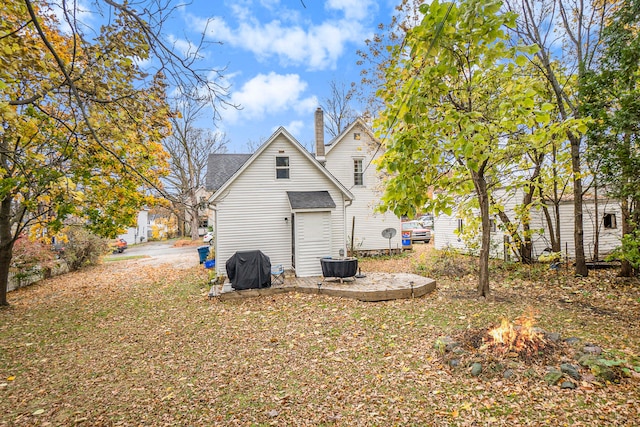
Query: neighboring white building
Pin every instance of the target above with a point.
(139, 233)
(350, 158)
(281, 201)
(448, 228)
(206, 216)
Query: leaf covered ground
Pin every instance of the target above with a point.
(129, 344)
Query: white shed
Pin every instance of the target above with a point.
(447, 228)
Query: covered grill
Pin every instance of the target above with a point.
(249, 270)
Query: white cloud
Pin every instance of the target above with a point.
(80, 11)
(268, 94)
(295, 128)
(352, 9)
(317, 47)
(292, 41)
(185, 47)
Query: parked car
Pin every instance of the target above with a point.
(418, 232)
(119, 245)
(208, 238)
(426, 221)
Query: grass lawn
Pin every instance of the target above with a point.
(127, 344)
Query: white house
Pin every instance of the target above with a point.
(139, 233)
(448, 228)
(350, 158)
(205, 214)
(281, 201)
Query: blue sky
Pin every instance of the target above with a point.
(279, 57)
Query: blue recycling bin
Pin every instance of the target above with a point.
(203, 252)
(406, 239)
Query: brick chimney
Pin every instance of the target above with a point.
(320, 136)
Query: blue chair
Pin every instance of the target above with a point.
(277, 275)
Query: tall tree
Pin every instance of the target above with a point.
(338, 110)
(189, 147)
(456, 105)
(577, 24)
(81, 123)
(612, 96)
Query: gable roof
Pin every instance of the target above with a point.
(221, 167)
(359, 121)
(281, 132)
(310, 200)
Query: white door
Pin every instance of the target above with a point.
(313, 241)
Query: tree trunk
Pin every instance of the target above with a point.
(626, 270)
(480, 184)
(578, 232)
(195, 222)
(596, 241)
(555, 245)
(6, 248)
(512, 229)
(194, 211)
(556, 239)
(556, 212)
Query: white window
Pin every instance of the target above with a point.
(282, 167)
(356, 135)
(358, 172)
(460, 226)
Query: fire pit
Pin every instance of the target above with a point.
(339, 268)
(522, 339)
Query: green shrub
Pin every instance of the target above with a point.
(630, 249)
(83, 248)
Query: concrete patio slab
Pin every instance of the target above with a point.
(372, 287)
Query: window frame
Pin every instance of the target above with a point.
(358, 161)
(203, 222)
(286, 168)
(609, 221)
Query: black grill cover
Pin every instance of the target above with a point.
(339, 267)
(249, 270)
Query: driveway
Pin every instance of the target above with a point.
(159, 253)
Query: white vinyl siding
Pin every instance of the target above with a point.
(609, 238)
(252, 210)
(445, 226)
(368, 223)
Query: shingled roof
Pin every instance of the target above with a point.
(221, 167)
(310, 200)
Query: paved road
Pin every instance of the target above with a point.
(159, 253)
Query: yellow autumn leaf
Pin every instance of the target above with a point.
(11, 378)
